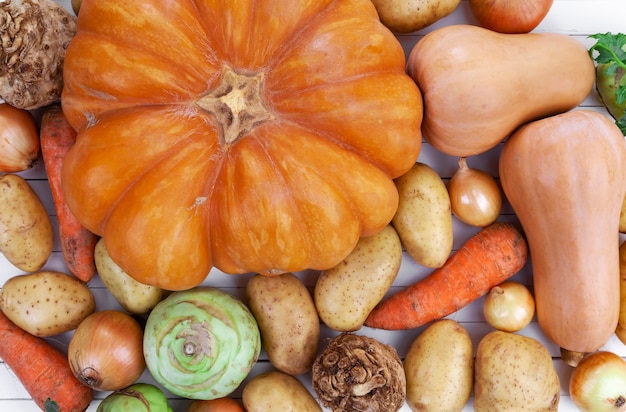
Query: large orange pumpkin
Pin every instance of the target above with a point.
(251, 136)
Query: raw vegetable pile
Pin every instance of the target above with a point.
(277, 144)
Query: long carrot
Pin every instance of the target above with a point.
(488, 258)
(43, 370)
(77, 243)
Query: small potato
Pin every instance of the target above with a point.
(26, 234)
(288, 321)
(277, 391)
(424, 216)
(345, 294)
(439, 368)
(514, 373)
(133, 296)
(46, 303)
(405, 16)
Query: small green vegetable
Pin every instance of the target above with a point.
(139, 397)
(51, 406)
(201, 343)
(609, 52)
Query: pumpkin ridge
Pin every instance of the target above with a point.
(315, 28)
(284, 49)
(130, 18)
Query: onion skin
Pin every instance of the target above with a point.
(475, 197)
(76, 6)
(201, 343)
(510, 16)
(105, 352)
(598, 383)
(509, 307)
(19, 139)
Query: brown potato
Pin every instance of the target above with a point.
(277, 391)
(345, 294)
(26, 234)
(513, 372)
(405, 16)
(439, 368)
(135, 297)
(46, 303)
(287, 319)
(424, 216)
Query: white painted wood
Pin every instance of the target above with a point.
(577, 18)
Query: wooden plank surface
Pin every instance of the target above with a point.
(577, 18)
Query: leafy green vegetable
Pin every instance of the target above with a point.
(622, 124)
(609, 52)
(51, 406)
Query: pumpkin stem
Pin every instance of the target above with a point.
(237, 104)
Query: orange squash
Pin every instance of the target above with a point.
(565, 177)
(480, 85)
(251, 136)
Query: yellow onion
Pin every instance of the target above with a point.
(201, 343)
(19, 139)
(106, 350)
(510, 16)
(509, 306)
(475, 197)
(598, 383)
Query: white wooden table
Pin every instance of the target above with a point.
(577, 18)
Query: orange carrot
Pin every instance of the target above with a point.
(488, 258)
(43, 370)
(77, 243)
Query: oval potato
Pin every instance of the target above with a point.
(424, 216)
(26, 234)
(135, 297)
(345, 294)
(288, 320)
(513, 372)
(405, 16)
(46, 303)
(439, 368)
(277, 391)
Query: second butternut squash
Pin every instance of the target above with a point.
(565, 177)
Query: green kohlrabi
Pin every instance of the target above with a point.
(139, 397)
(201, 343)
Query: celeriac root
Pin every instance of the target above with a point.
(357, 373)
(34, 36)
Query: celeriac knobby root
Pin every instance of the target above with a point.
(34, 36)
(359, 374)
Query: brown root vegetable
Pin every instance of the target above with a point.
(359, 373)
(34, 35)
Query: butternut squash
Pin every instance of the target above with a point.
(565, 177)
(478, 86)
